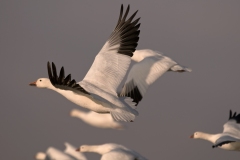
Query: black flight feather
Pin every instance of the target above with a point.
(125, 34)
(61, 82)
(234, 116)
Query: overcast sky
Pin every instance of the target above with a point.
(203, 35)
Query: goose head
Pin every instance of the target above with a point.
(42, 83)
(197, 135)
(83, 148)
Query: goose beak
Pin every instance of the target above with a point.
(33, 84)
(78, 149)
(192, 136)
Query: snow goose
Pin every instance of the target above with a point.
(151, 65)
(98, 90)
(97, 120)
(112, 151)
(229, 139)
(53, 153)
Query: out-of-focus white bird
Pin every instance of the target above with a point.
(97, 120)
(98, 90)
(53, 153)
(112, 151)
(229, 139)
(149, 67)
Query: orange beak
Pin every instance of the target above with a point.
(33, 84)
(192, 136)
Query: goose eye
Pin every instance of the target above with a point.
(40, 80)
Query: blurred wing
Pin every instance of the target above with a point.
(54, 153)
(224, 140)
(179, 68)
(71, 150)
(143, 74)
(61, 82)
(118, 154)
(112, 62)
(232, 127)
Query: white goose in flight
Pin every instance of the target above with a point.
(229, 139)
(112, 151)
(98, 90)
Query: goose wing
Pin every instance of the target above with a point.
(231, 130)
(143, 74)
(111, 63)
(63, 82)
(232, 126)
(54, 153)
(71, 150)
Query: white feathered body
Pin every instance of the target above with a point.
(112, 151)
(97, 120)
(84, 100)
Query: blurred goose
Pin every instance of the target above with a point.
(151, 65)
(229, 139)
(112, 151)
(98, 90)
(97, 120)
(53, 153)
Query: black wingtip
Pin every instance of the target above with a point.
(126, 13)
(134, 14)
(230, 114)
(61, 76)
(234, 116)
(62, 82)
(126, 33)
(235, 113)
(50, 73)
(120, 16)
(54, 72)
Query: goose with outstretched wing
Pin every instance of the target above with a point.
(229, 139)
(98, 90)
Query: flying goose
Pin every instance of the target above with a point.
(112, 151)
(229, 139)
(98, 90)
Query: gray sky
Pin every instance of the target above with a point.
(203, 35)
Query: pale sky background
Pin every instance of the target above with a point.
(203, 35)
